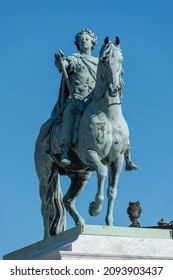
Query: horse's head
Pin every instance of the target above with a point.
(111, 66)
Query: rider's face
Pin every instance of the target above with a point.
(85, 43)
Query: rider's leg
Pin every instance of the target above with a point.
(130, 165)
(69, 117)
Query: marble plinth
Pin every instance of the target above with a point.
(100, 242)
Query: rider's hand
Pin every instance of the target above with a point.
(58, 57)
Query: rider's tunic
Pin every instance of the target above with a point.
(82, 76)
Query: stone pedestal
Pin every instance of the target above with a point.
(100, 242)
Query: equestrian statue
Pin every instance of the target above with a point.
(86, 132)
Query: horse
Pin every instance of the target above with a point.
(103, 138)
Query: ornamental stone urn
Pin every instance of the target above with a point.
(134, 210)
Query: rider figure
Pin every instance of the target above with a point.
(81, 69)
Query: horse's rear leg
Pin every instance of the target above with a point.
(114, 173)
(94, 162)
(78, 183)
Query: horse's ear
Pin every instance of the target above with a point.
(106, 41)
(117, 41)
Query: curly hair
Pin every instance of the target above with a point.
(90, 33)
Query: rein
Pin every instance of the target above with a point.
(99, 98)
(116, 103)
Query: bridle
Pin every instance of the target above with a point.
(105, 75)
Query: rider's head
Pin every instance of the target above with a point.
(88, 32)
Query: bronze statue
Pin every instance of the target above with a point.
(86, 132)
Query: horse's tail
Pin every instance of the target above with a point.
(58, 213)
(53, 210)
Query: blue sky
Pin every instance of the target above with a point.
(31, 32)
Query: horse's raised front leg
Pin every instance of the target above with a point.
(78, 183)
(94, 162)
(114, 173)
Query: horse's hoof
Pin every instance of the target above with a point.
(94, 209)
(80, 222)
(131, 166)
(109, 221)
